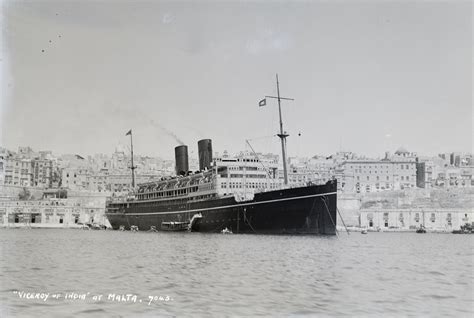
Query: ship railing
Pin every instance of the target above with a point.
(118, 199)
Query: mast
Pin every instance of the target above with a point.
(282, 133)
(131, 151)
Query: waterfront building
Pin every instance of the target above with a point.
(50, 213)
(405, 219)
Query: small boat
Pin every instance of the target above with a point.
(174, 226)
(364, 231)
(465, 229)
(152, 229)
(95, 226)
(84, 226)
(421, 229)
(226, 231)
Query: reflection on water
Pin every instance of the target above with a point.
(397, 274)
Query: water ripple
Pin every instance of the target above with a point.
(381, 274)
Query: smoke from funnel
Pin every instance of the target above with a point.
(168, 132)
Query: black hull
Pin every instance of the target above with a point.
(305, 210)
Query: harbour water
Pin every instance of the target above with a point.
(192, 274)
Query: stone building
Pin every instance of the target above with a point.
(405, 219)
(42, 173)
(51, 213)
(18, 172)
(75, 178)
(2, 170)
(367, 175)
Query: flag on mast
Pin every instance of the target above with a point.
(129, 133)
(263, 102)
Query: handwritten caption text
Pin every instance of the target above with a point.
(73, 296)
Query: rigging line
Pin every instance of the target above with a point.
(262, 137)
(329, 213)
(314, 203)
(248, 222)
(264, 168)
(311, 211)
(340, 216)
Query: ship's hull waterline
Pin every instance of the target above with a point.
(304, 210)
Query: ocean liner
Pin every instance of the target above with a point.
(236, 194)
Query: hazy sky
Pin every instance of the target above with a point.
(366, 77)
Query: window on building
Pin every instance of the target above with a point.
(408, 178)
(407, 167)
(367, 178)
(387, 178)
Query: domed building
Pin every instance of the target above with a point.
(403, 154)
(401, 151)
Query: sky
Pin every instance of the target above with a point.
(366, 77)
